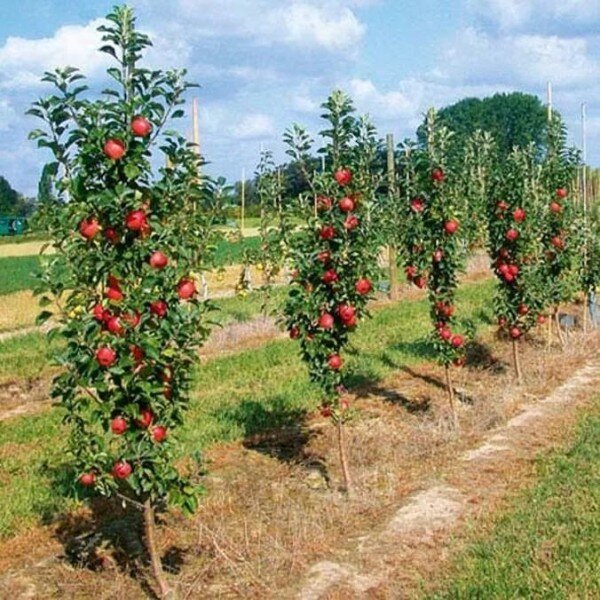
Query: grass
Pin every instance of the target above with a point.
(18, 273)
(232, 397)
(548, 544)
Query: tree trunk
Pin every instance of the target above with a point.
(348, 486)
(450, 391)
(585, 312)
(150, 530)
(517, 361)
(561, 337)
(394, 293)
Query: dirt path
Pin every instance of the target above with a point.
(423, 525)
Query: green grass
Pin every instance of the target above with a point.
(548, 544)
(232, 397)
(21, 239)
(17, 273)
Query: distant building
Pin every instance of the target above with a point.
(12, 225)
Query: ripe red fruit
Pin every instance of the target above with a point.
(515, 332)
(324, 256)
(158, 260)
(346, 312)
(111, 235)
(420, 282)
(159, 433)
(437, 256)
(323, 203)
(512, 235)
(114, 294)
(417, 205)
(459, 361)
(327, 232)
(88, 228)
(335, 362)
(122, 470)
(509, 277)
(87, 479)
(513, 270)
(330, 276)
(114, 149)
(437, 175)
(523, 309)
(541, 319)
(502, 321)
(562, 193)
(326, 321)
(137, 353)
(326, 411)
(451, 226)
(503, 252)
(503, 269)
(502, 206)
(136, 220)
(186, 289)
(445, 333)
(343, 177)
(106, 357)
(519, 215)
(132, 319)
(557, 242)
(114, 326)
(140, 126)
(159, 308)
(411, 272)
(555, 207)
(351, 222)
(346, 205)
(98, 312)
(294, 332)
(363, 286)
(118, 425)
(458, 341)
(146, 418)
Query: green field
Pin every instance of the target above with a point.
(233, 396)
(547, 545)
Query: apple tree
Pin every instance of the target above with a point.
(128, 238)
(333, 254)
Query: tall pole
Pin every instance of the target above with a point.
(585, 208)
(549, 337)
(243, 212)
(195, 128)
(392, 250)
(549, 95)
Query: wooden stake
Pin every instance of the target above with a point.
(157, 570)
(348, 485)
(450, 391)
(559, 332)
(517, 361)
(243, 211)
(585, 208)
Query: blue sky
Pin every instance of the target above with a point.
(264, 64)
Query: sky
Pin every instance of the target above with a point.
(265, 64)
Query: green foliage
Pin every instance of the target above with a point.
(332, 254)
(122, 358)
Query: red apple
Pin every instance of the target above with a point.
(98, 312)
(417, 205)
(562, 193)
(420, 282)
(555, 207)
(557, 242)
(114, 149)
(114, 326)
(88, 228)
(327, 232)
(445, 333)
(512, 235)
(351, 222)
(87, 479)
(515, 332)
(158, 260)
(324, 256)
(136, 220)
(502, 206)
(411, 272)
(343, 177)
(513, 270)
(122, 470)
(294, 332)
(346, 205)
(326, 411)
(522, 309)
(118, 425)
(541, 319)
(114, 294)
(335, 362)
(137, 353)
(330, 276)
(186, 289)
(451, 226)
(323, 203)
(326, 321)
(112, 235)
(159, 433)
(159, 308)
(140, 126)
(437, 175)
(106, 357)
(346, 312)
(460, 361)
(519, 215)
(132, 319)
(146, 418)
(363, 286)
(458, 341)
(437, 256)
(502, 321)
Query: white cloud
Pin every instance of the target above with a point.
(253, 127)
(390, 104)
(7, 115)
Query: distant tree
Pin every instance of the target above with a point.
(514, 119)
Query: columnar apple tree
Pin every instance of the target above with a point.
(126, 239)
(435, 249)
(561, 239)
(515, 217)
(333, 255)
